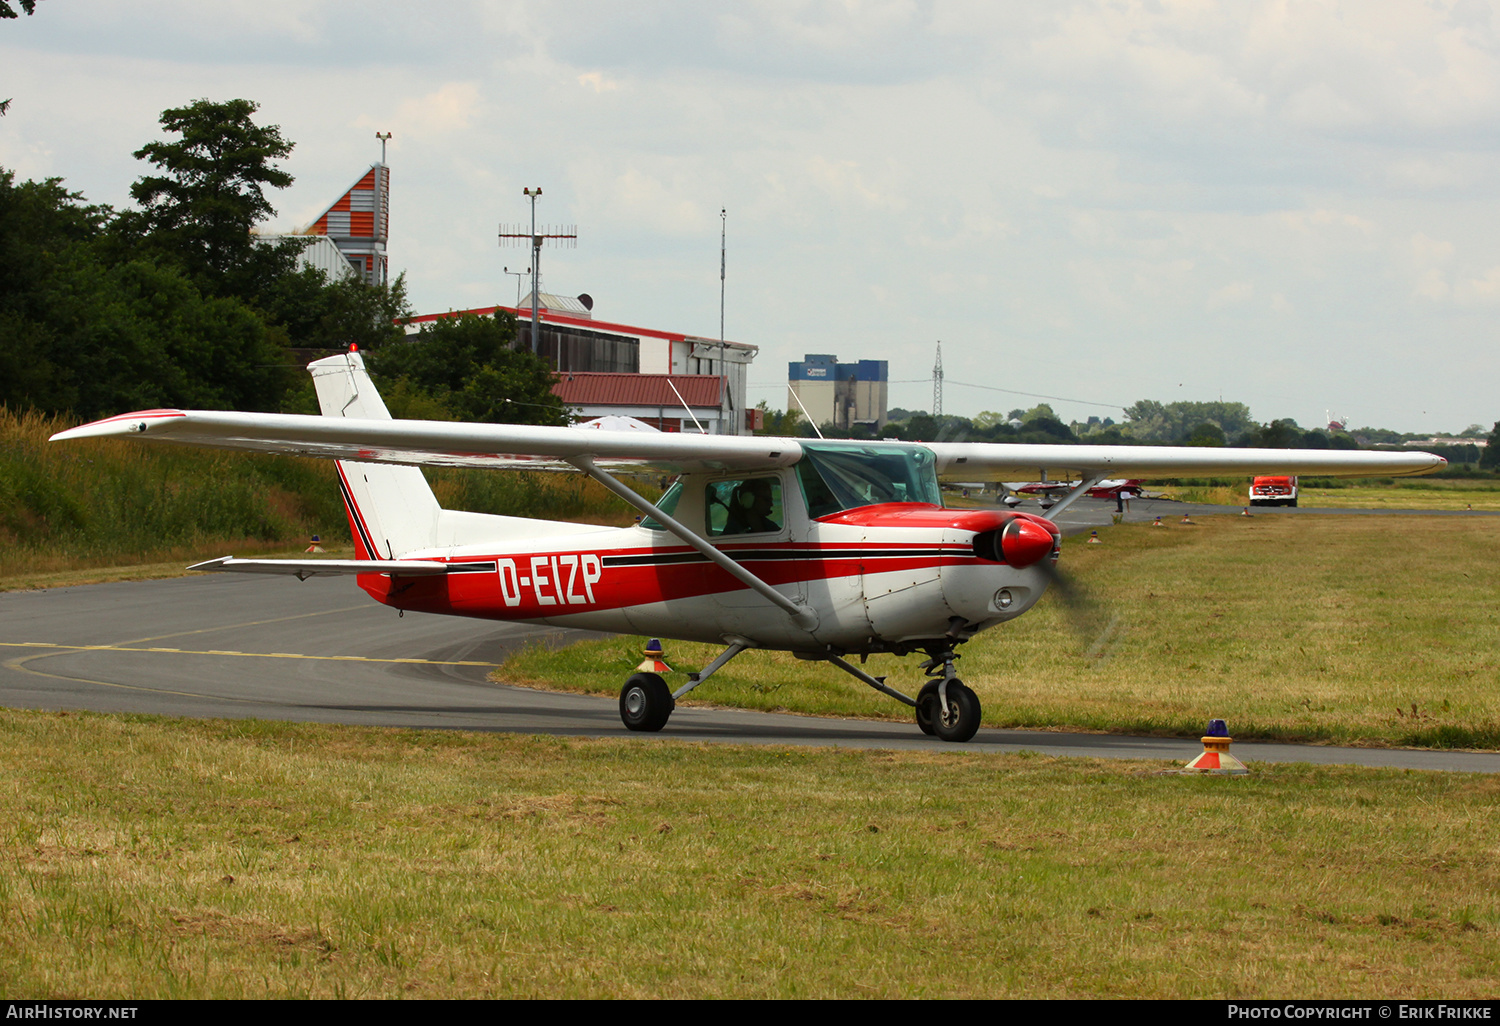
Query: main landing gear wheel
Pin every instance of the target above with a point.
(959, 721)
(646, 702)
(927, 700)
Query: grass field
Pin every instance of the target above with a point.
(1351, 630)
(1380, 493)
(1419, 493)
(177, 859)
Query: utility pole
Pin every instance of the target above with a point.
(725, 407)
(563, 234)
(937, 383)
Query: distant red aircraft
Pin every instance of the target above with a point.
(1050, 491)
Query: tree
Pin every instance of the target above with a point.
(200, 209)
(470, 368)
(1279, 434)
(97, 330)
(1491, 457)
(1207, 433)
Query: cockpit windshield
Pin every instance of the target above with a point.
(840, 477)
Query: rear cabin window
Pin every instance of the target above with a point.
(749, 506)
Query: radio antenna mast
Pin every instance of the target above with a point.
(937, 382)
(563, 235)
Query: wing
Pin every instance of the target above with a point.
(523, 447)
(990, 462)
(513, 446)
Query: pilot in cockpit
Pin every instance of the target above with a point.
(750, 508)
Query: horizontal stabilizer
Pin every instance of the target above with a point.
(302, 569)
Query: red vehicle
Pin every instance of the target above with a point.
(1273, 491)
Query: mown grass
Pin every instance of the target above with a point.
(1357, 493)
(185, 859)
(1420, 494)
(1348, 630)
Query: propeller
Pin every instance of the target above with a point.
(1096, 627)
(1028, 540)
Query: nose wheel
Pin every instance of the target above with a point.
(959, 720)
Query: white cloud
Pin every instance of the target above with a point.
(1233, 294)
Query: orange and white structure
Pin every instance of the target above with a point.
(359, 223)
(1216, 758)
(655, 661)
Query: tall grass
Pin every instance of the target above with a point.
(548, 496)
(106, 502)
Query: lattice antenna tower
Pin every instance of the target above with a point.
(937, 382)
(561, 235)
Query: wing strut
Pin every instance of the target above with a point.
(801, 615)
(1073, 496)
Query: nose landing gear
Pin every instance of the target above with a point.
(946, 706)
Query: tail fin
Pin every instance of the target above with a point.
(392, 511)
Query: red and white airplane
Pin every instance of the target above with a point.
(1051, 491)
(828, 549)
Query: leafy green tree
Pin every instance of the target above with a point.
(1207, 433)
(782, 424)
(209, 194)
(1491, 457)
(94, 329)
(1151, 421)
(1279, 434)
(921, 427)
(469, 367)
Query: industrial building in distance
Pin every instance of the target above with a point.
(841, 394)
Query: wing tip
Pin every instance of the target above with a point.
(121, 424)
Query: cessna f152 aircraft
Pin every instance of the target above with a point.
(826, 549)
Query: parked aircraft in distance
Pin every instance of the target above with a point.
(1048, 492)
(828, 549)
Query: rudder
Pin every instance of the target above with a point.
(392, 510)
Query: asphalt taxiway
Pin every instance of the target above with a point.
(222, 645)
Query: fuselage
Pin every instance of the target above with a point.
(878, 576)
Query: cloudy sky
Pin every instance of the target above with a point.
(1287, 204)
